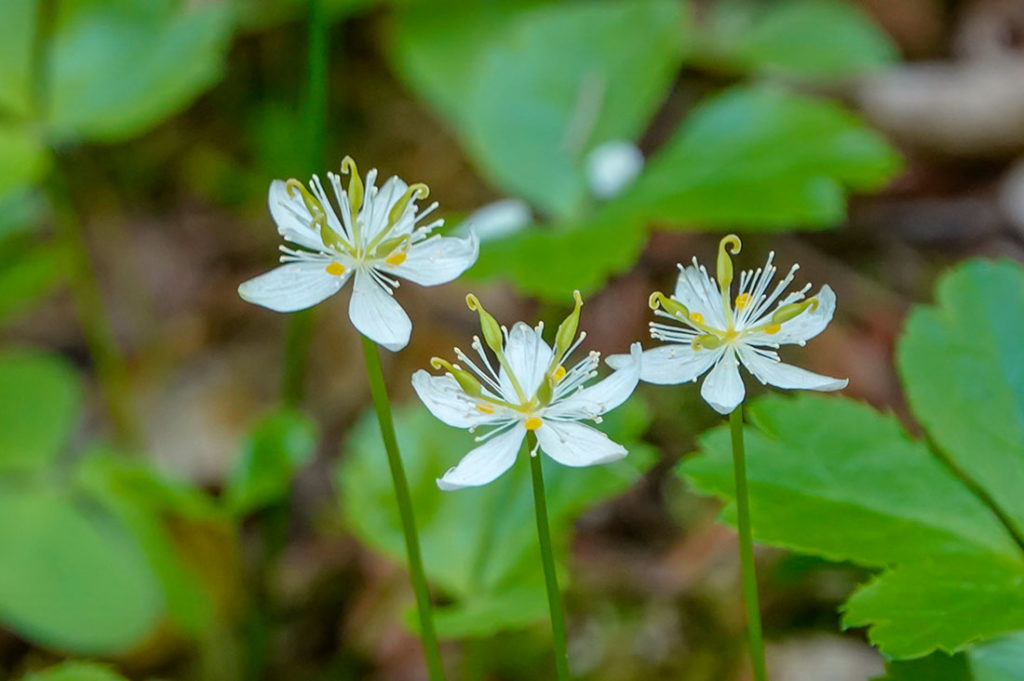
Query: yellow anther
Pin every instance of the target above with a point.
(335, 268)
(485, 408)
(396, 258)
(773, 328)
(559, 373)
(533, 423)
(742, 300)
(696, 318)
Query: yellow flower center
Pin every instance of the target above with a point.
(559, 373)
(533, 423)
(485, 408)
(396, 258)
(742, 300)
(773, 328)
(335, 268)
(697, 317)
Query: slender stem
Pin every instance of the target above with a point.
(300, 324)
(749, 573)
(412, 543)
(540, 505)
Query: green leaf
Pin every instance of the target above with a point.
(279, 445)
(23, 158)
(71, 578)
(161, 514)
(530, 89)
(75, 671)
(479, 545)
(962, 362)
(834, 478)
(805, 38)
(997, 660)
(120, 66)
(32, 275)
(17, 29)
(760, 157)
(40, 398)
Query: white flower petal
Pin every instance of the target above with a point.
(604, 395)
(447, 401)
(292, 218)
(528, 357)
(437, 260)
(486, 462)
(810, 323)
(670, 364)
(781, 375)
(377, 315)
(294, 286)
(723, 388)
(574, 444)
(612, 167)
(378, 207)
(700, 295)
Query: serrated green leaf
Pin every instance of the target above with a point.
(998, 660)
(39, 401)
(805, 38)
(760, 157)
(548, 83)
(278, 446)
(479, 545)
(834, 478)
(120, 66)
(71, 578)
(75, 671)
(962, 363)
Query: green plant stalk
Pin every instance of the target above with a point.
(300, 324)
(747, 568)
(382, 406)
(540, 505)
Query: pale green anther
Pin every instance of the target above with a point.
(466, 380)
(673, 307)
(729, 244)
(707, 341)
(488, 325)
(793, 310)
(566, 333)
(355, 185)
(546, 389)
(421, 192)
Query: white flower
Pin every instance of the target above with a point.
(719, 332)
(612, 167)
(377, 238)
(497, 220)
(531, 390)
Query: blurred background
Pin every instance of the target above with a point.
(190, 486)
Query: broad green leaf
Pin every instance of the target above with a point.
(161, 515)
(75, 671)
(72, 577)
(39, 401)
(479, 545)
(834, 478)
(806, 38)
(19, 213)
(121, 66)
(23, 158)
(998, 660)
(30, 276)
(962, 362)
(278, 446)
(547, 84)
(17, 29)
(551, 263)
(760, 157)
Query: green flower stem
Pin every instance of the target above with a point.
(300, 324)
(749, 573)
(540, 505)
(412, 543)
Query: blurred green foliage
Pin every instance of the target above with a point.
(75, 671)
(996, 660)
(479, 545)
(835, 478)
